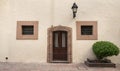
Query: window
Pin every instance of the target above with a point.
(27, 30)
(86, 30)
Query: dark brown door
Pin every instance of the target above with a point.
(60, 45)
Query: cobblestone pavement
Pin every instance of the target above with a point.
(51, 67)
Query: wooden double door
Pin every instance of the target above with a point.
(60, 45)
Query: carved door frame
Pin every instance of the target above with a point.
(50, 42)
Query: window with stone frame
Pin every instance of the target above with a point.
(86, 30)
(27, 30)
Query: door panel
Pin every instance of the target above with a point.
(59, 45)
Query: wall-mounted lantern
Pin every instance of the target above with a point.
(74, 9)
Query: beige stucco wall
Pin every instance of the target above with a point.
(55, 12)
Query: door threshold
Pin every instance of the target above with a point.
(60, 61)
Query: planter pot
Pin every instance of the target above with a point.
(95, 64)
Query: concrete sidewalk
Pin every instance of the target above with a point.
(51, 67)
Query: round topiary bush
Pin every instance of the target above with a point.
(104, 49)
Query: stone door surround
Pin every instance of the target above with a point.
(50, 42)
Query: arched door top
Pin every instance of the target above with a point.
(62, 28)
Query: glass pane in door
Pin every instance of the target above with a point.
(56, 40)
(63, 39)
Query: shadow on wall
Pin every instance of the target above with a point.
(89, 54)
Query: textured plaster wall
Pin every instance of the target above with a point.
(55, 12)
(4, 21)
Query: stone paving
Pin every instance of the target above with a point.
(51, 67)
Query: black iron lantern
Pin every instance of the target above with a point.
(74, 9)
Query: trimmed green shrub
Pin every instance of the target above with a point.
(104, 49)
